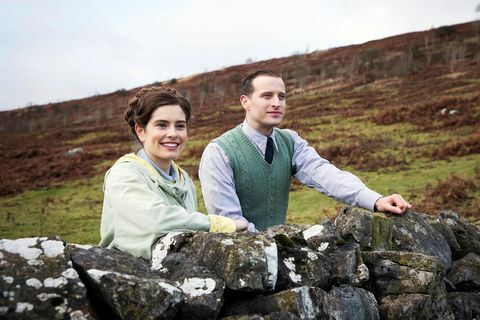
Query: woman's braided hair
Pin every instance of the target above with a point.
(147, 100)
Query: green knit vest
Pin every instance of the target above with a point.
(262, 188)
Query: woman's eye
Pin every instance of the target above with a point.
(181, 126)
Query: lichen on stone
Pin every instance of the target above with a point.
(34, 282)
(52, 248)
(313, 231)
(55, 282)
(195, 287)
(23, 307)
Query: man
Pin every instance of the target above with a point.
(246, 172)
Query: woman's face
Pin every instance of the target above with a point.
(165, 135)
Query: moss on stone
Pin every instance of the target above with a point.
(382, 232)
(284, 240)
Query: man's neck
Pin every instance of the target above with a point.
(266, 131)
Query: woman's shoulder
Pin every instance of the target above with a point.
(129, 167)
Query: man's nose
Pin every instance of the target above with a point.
(276, 101)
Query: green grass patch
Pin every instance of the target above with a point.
(92, 136)
(71, 211)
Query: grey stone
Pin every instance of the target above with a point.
(38, 282)
(465, 305)
(245, 261)
(414, 233)
(385, 232)
(123, 286)
(72, 152)
(347, 302)
(131, 297)
(406, 306)
(442, 227)
(287, 234)
(322, 237)
(395, 272)
(303, 302)
(300, 266)
(203, 290)
(465, 273)
(348, 266)
(372, 230)
(281, 315)
(466, 234)
(275, 274)
(91, 257)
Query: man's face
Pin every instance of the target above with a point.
(265, 107)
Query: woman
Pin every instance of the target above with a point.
(147, 195)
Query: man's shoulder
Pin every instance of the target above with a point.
(290, 132)
(227, 135)
(287, 134)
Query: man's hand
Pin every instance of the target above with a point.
(394, 203)
(240, 225)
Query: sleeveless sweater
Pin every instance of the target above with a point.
(262, 188)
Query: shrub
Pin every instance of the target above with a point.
(445, 32)
(450, 193)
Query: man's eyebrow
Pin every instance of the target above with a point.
(273, 92)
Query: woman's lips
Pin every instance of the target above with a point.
(170, 145)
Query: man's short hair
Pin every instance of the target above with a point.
(247, 87)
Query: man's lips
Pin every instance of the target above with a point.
(274, 113)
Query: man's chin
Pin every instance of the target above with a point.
(275, 122)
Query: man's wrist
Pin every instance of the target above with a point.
(375, 209)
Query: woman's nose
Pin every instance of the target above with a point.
(171, 131)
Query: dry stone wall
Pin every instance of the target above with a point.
(363, 265)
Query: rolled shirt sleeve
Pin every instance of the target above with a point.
(317, 172)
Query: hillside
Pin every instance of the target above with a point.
(401, 112)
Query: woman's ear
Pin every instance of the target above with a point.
(140, 132)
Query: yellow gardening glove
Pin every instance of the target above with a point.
(221, 224)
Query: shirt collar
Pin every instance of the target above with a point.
(259, 139)
(172, 176)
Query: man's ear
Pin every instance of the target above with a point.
(245, 102)
(140, 132)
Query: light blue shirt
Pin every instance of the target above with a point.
(218, 185)
(172, 176)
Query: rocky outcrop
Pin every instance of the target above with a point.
(38, 281)
(363, 265)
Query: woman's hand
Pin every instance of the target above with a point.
(240, 225)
